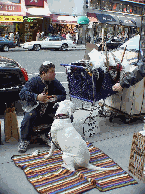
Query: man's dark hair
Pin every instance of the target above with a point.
(45, 67)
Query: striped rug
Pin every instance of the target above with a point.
(47, 176)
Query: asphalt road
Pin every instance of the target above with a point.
(31, 60)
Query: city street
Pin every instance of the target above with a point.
(31, 60)
(114, 139)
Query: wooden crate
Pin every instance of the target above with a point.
(137, 156)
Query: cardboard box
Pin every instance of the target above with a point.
(131, 100)
(89, 48)
(137, 156)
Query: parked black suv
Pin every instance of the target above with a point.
(12, 79)
(112, 43)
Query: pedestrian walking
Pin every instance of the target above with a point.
(6, 35)
(42, 35)
(11, 36)
(38, 35)
(69, 36)
(17, 39)
(63, 35)
(77, 37)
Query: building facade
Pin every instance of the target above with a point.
(115, 17)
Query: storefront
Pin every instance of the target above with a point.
(11, 15)
(114, 25)
(35, 15)
(31, 25)
(61, 23)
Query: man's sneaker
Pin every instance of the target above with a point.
(23, 146)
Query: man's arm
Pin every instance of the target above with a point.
(132, 78)
(60, 91)
(27, 92)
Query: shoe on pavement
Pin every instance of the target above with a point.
(23, 146)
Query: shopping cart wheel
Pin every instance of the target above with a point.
(126, 120)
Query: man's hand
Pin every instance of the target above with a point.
(117, 87)
(42, 98)
(45, 98)
(52, 98)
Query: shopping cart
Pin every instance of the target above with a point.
(90, 86)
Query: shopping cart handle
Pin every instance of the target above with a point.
(72, 66)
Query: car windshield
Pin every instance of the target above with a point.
(53, 38)
(4, 63)
(3, 39)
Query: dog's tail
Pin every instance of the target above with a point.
(92, 167)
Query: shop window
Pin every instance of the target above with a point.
(114, 6)
(124, 8)
(95, 4)
(87, 3)
(117, 7)
(130, 9)
(135, 10)
(106, 5)
(139, 10)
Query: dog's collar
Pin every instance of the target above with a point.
(61, 116)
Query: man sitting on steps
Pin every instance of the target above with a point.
(39, 105)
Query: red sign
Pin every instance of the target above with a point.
(10, 7)
(37, 3)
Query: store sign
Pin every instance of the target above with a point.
(38, 3)
(11, 18)
(10, 7)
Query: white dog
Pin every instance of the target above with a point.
(74, 148)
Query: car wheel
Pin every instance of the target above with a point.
(5, 48)
(36, 47)
(64, 47)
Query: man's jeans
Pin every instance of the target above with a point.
(33, 119)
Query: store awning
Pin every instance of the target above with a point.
(104, 18)
(136, 21)
(39, 11)
(125, 21)
(139, 3)
(92, 17)
(83, 20)
(11, 18)
(115, 19)
(62, 19)
(67, 19)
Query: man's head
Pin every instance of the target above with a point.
(47, 71)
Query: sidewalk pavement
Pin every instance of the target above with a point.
(114, 140)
